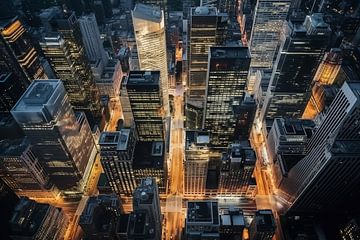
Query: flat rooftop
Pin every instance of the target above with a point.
(149, 155)
(203, 11)
(118, 138)
(229, 52)
(265, 219)
(203, 212)
(37, 95)
(141, 78)
(147, 12)
(197, 138)
(145, 192)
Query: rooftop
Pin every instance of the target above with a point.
(147, 12)
(147, 78)
(230, 52)
(265, 220)
(203, 212)
(27, 217)
(204, 11)
(149, 155)
(145, 192)
(118, 138)
(91, 214)
(37, 95)
(197, 138)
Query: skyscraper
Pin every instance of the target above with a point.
(61, 139)
(206, 25)
(287, 145)
(99, 217)
(143, 90)
(202, 220)
(196, 162)
(149, 28)
(238, 164)
(266, 31)
(328, 176)
(91, 39)
(21, 170)
(117, 153)
(225, 89)
(11, 89)
(18, 52)
(263, 225)
(37, 221)
(81, 87)
(302, 48)
(146, 198)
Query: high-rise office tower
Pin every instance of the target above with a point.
(225, 89)
(21, 170)
(149, 28)
(91, 39)
(245, 115)
(237, 168)
(99, 217)
(325, 75)
(81, 88)
(143, 90)
(196, 162)
(286, 145)
(117, 151)
(8, 201)
(350, 230)
(232, 222)
(263, 225)
(202, 220)
(18, 54)
(32, 220)
(146, 198)
(327, 178)
(266, 31)
(11, 89)
(301, 51)
(163, 4)
(320, 100)
(150, 161)
(61, 139)
(206, 25)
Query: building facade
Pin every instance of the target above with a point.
(146, 198)
(81, 88)
(18, 52)
(225, 89)
(91, 39)
(236, 173)
(61, 139)
(21, 170)
(37, 221)
(149, 28)
(263, 225)
(327, 177)
(117, 153)
(196, 162)
(206, 25)
(266, 31)
(143, 90)
(302, 48)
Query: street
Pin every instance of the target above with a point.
(174, 215)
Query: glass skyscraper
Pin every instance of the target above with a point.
(149, 29)
(61, 138)
(225, 89)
